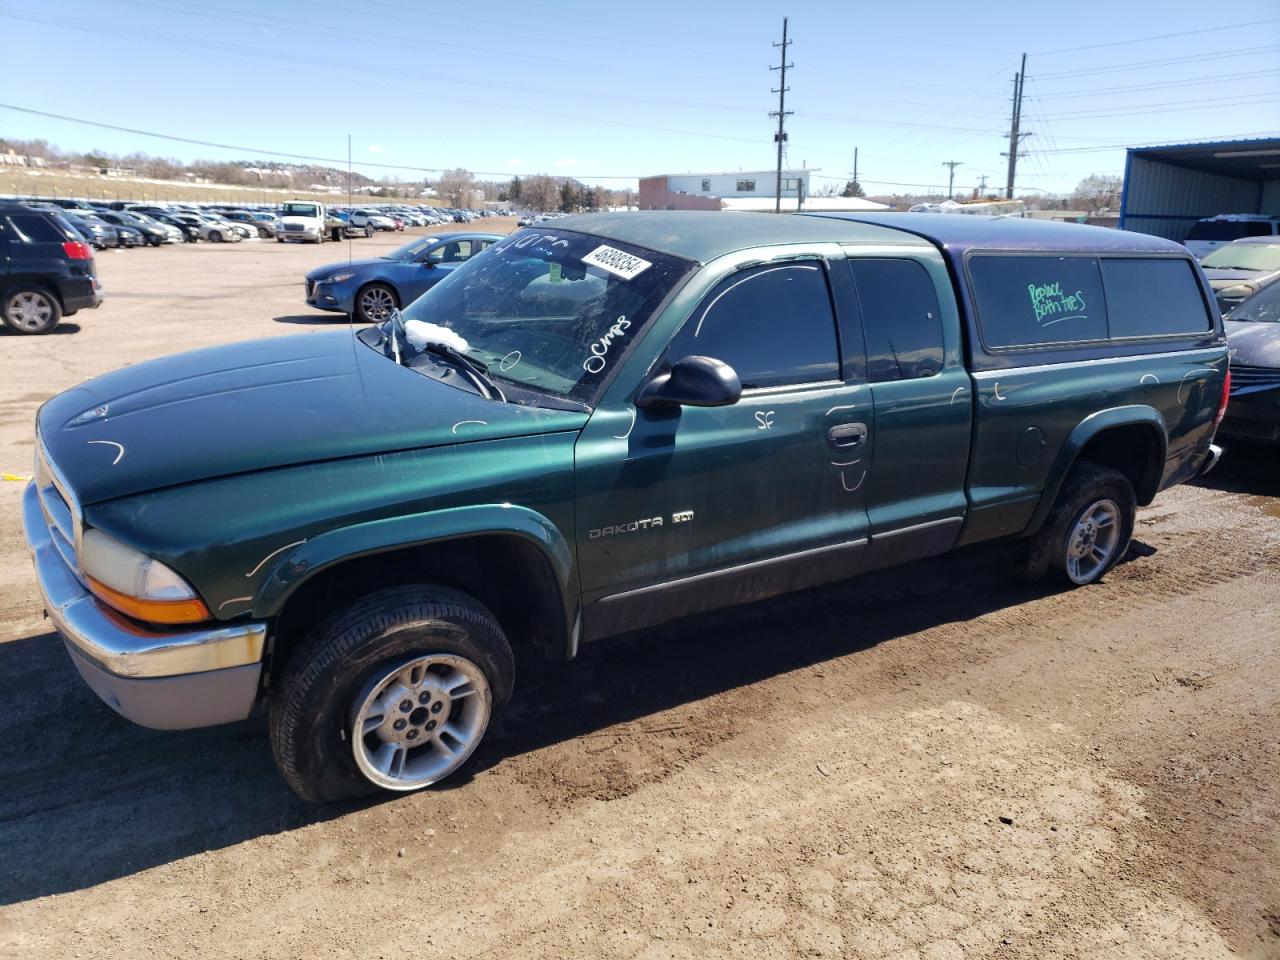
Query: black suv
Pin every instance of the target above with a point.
(46, 269)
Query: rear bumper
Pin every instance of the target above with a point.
(168, 680)
(1211, 461)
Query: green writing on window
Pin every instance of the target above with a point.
(1051, 305)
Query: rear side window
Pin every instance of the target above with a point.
(1035, 300)
(773, 325)
(1150, 298)
(36, 229)
(900, 319)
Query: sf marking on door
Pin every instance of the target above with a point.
(764, 419)
(648, 523)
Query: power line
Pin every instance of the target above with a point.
(259, 151)
(1187, 82)
(1168, 61)
(1161, 36)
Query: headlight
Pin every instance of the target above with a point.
(338, 278)
(135, 584)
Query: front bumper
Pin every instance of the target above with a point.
(165, 679)
(328, 296)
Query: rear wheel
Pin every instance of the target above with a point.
(1087, 531)
(29, 309)
(393, 693)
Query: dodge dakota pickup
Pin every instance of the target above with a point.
(593, 427)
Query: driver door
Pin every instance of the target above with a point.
(692, 508)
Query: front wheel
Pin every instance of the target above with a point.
(1087, 531)
(393, 693)
(375, 302)
(215, 236)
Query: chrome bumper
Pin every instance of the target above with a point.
(165, 679)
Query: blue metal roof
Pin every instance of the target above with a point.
(958, 233)
(1252, 160)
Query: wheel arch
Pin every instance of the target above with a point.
(1132, 439)
(512, 559)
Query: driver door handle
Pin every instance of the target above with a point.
(846, 435)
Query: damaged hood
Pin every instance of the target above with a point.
(258, 405)
(1253, 343)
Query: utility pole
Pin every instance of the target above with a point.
(1016, 135)
(982, 186)
(951, 174)
(782, 112)
(855, 166)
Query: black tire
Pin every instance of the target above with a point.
(310, 712)
(31, 297)
(368, 231)
(279, 239)
(215, 236)
(264, 233)
(1088, 484)
(358, 301)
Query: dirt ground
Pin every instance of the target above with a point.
(926, 763)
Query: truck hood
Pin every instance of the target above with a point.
(1224, 277)
(258, 405)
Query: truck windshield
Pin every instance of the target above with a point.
(1263, 307)
(300, 210)
(550, 310)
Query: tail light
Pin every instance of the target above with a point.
(1226, 396)
(75, 250)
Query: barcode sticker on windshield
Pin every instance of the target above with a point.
(617, 262)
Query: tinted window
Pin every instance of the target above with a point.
(900, 319)
(1026, 301)
(454, 252)
(773, 325)
(36, 229)
(1148, 298)
(1229, 229)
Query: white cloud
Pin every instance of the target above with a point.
(375, 148)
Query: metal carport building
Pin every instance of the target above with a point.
(1168, 188)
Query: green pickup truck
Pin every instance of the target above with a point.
(595, 427)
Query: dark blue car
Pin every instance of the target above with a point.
(370, 289)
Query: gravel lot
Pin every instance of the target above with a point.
(924, 763)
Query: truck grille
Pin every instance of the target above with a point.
(1246, 379)
(293, 227)
(59, 506)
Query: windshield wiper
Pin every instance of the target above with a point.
(476, 370)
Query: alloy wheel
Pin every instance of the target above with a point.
(416, 722)
(1092, 542)
(29, 310)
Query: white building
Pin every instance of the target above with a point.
(757, 183)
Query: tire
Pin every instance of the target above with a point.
(368, 232)
(341, 668)
(279, 239)
(215, 236)
(368, 297)
(1095, 508)
(27, 308)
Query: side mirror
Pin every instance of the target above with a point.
(692, 382)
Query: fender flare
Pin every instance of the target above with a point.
(333, 547)
(1088, 428)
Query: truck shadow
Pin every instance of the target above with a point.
(1245, 467)
(86, 797)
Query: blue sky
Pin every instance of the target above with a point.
(598, 91)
